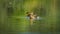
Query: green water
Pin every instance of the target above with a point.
(11, 23)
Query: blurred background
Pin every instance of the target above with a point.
(13, 13)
